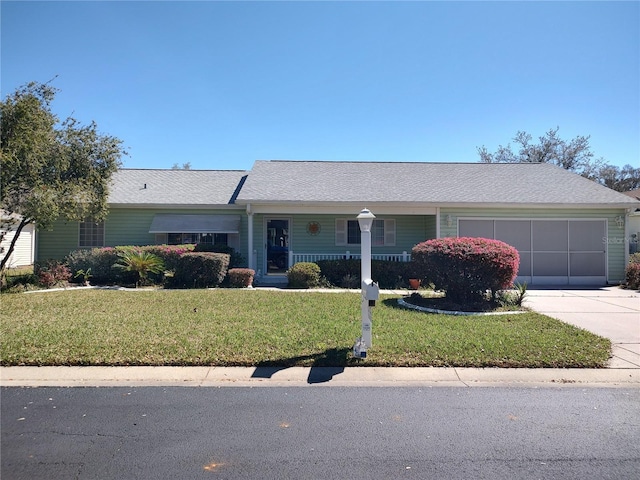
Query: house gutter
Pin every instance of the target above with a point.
(164, 206)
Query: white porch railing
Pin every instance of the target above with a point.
(295, 257)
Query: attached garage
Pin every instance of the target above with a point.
(552, 251)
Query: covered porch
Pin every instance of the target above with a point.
(281, 236)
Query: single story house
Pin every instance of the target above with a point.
(567, 229)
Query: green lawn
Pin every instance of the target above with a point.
(248, 327)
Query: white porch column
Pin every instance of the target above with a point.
(250, 256)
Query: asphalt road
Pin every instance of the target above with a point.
(320, 432)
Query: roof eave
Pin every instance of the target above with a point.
(209, 206)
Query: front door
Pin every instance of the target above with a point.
(277, 246)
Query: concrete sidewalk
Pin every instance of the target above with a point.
(611, 312)
(310, 376)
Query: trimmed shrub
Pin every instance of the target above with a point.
(466, 267)
(169, 254)
(304, 275)
(346, 273)
(200, 269)
(99, 260)
(389, 274)
(235, 261)
(336, 272)
(51, 273)
(632, 272)
(240, 277)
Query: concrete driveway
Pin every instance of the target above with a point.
(611, 312)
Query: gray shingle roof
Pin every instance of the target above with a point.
(174, 187)
(426, 183)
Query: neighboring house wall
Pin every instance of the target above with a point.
(23, 253)
(613, 241)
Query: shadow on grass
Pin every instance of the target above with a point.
(392, 303)
(324, 365)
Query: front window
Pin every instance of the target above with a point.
(383, 232)
(91, 234)
(353, 232)
(193, 238)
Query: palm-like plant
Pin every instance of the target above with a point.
(141, 263)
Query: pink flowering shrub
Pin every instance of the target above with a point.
(168, 253)
(466, 267)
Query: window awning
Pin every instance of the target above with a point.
(176, 223)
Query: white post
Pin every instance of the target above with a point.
(251, 259)
(365, 219)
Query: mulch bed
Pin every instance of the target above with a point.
(443, 303)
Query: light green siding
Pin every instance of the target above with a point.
(614, 242)
(58, 241)
(123, 226)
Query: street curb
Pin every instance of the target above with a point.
(310, 376)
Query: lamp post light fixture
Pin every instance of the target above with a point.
(370, 291)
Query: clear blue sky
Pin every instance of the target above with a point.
(222, 84)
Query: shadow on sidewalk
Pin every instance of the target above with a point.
(324, 365)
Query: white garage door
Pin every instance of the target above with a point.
(552, 252)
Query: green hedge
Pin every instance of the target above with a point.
(304, 275)
(200, 270)
(101, 262)
(240, 277)
(346, 273)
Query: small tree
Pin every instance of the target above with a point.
(50, 169)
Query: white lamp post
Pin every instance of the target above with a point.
(369, 289)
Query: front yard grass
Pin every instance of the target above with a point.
(228, 327)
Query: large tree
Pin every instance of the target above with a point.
(48, 168)
(574, 155)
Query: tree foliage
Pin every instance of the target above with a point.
(185, 166)
(574, 155)
(50, 168)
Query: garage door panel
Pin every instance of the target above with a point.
(550, 235)
(587, 264)
(476, 228)
(551, 251)
(587, 235)
(516, 233)
(550, 264)
(525, 264)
